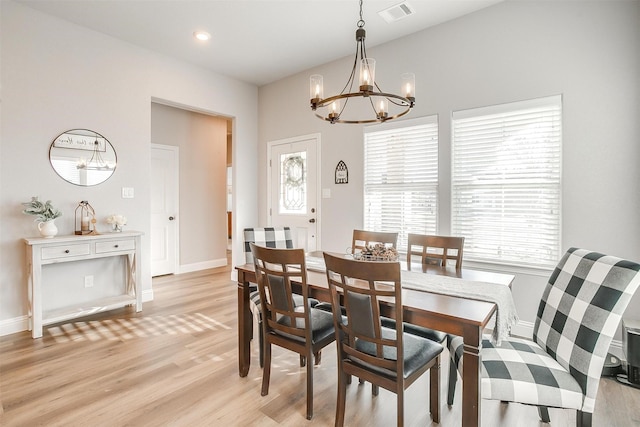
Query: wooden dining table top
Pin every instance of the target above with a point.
(419, 301)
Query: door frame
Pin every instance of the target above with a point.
(176, 194)
(318, 183)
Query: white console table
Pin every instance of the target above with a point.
(43, 251)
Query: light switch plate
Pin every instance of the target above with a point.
(127, 192)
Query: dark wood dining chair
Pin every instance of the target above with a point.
(435, 250)
(270, 237)
(299, 328)
(438, 250)
(579, 313)
(362, 239)
(388, 358)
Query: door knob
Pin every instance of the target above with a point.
(171, 218)
(312, 220)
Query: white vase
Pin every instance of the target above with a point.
(48, 229)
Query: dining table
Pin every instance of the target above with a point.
(456, 315)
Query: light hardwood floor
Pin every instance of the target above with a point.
(175, 364)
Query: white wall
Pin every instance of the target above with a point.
(56, 76)
(587, 51)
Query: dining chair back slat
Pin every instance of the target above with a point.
(437, 250)
(363, 239)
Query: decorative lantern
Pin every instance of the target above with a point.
(85, 219)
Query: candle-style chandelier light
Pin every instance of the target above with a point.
(386, 106)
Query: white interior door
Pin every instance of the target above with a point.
(164, 209)
(293, 188)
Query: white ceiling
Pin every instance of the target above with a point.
(257, 41)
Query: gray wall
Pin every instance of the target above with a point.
(55, 76)
(589, 52)
(202, 141)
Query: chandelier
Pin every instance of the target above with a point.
(96, 162)
(332, 109)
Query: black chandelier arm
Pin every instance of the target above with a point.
(353, 73)
(411, 102)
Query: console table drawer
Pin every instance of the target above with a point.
(115, 246)
(65, 251)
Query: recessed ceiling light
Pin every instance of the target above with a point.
(202, 35)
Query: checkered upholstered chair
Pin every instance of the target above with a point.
(270, 237)
(578, 315)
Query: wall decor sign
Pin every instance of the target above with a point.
(80, 142)
(342, 173)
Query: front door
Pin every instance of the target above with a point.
(293, 188)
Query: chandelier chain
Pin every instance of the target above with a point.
(361, 21)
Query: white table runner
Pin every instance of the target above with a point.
(506, 315)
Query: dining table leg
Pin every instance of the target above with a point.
(471, 398)
(245, 326)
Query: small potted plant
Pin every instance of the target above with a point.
(45, 214)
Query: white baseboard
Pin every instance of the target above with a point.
(15, 325)
(523, 329)
(215, 263)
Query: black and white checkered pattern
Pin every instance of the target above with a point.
(270, 237)
(580, 311)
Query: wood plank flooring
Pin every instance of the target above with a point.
(175, 364)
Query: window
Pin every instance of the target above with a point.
(401, 177)
(506, 182)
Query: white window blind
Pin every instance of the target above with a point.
(506, 170)
(401, 177)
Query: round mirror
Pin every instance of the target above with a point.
(82, 157)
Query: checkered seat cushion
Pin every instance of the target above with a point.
(580, 311)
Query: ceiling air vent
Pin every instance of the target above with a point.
(396, 12)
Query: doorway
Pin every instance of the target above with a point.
(200, 218)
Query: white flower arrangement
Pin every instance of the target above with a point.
(117, 221)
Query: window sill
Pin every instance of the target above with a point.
(508, 268)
